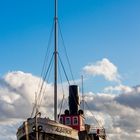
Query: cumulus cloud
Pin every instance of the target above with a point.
(131, 98)
(121, 120)
(8, 128)
(17, 94)
(103, 68)
(119, 89)
(119, 113)
(17, 98)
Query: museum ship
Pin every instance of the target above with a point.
(67, 126)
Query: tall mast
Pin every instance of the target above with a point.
(55, 59)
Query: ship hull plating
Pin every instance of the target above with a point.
(45, 129)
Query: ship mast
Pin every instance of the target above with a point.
(55, 58)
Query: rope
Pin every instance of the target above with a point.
(43, 94)
(47, 69)
(63, 69)
(61, 104)
(43, 69)
(93, 115)
(44, 78)
(66, 53)
(45, 59)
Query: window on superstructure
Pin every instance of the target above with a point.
(67, 121)
(75, 120)
(61, 120)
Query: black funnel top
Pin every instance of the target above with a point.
(73, 99)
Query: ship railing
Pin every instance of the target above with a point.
(100, 131)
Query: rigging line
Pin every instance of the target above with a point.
(32, 111)
(66, 102)
(93, 115)
(61, 105)
(66, 52)
(34, 106)
(45, 77)
(63, 69)
(46, 55)
(43, 69)
(62, 91)
(43, 94)
(41, 97)
(66, 77)
(82, 91)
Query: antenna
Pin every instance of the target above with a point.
(83, 94)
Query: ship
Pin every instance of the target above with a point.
(69, 125)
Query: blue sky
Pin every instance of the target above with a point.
(93, 29)
(102, 40)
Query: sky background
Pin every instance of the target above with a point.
(93, 29)
(102, 40)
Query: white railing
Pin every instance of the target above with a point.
(97, 130)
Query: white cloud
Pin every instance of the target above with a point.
(103, 68)
(119, 89)
(120, 121)
(17, 95)
(131, 99)
(119, 113)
